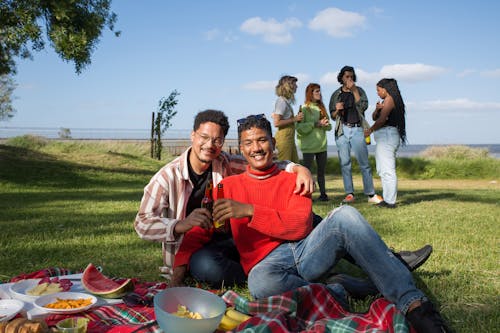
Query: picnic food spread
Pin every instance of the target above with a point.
(183, 312)
(23, 325)
(100, 285)
(69, 303)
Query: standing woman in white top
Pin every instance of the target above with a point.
(284, 119)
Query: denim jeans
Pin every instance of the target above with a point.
(321, 167)
(344, 231)
(216, 262)
(353, 138)
(387, 139)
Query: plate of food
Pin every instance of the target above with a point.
(9, 308)
(65, 302)
(29, 290)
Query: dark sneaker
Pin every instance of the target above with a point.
(415, 259)
(323, 197)
(386, 205)
(426, 319)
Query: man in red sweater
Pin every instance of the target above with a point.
(279, 249)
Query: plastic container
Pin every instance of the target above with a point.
(73, 325)
(210, 306)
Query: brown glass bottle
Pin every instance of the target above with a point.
(207, 201)
(220, 195)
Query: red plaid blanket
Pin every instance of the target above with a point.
(309, 309)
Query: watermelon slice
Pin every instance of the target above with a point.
(100, 285)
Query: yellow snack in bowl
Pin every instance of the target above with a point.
(183, 312)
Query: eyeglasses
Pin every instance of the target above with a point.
(218, 142)
(256, 116)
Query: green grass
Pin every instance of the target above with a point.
(70, 203)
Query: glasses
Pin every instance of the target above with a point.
(244, 120)
(218, 142)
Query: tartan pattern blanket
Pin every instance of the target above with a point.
(309, 309)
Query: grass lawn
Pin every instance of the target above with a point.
(70, 203)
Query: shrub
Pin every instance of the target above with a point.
(456, 152)
(32, 142)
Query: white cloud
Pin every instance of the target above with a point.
(337, 23)
(303, 80)
(411, 72)
(260, 85)
(459, 104)
(211, 34)
(495, 73)
(272, 31)
(466, 72)
(363, 78)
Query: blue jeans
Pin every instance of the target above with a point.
(216, 262)
(388, 141)
(344, 231)
(353, 138)
(321, 167)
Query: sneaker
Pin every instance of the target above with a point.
(323, 197)
(426, 319)
(349, 198)
(375, 199)
(386, 205)
(415, 259)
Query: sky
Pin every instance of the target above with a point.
(229, 54)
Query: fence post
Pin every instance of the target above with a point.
(152, 134)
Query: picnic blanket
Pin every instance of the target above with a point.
(309, 309)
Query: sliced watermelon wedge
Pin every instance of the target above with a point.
(100, 285)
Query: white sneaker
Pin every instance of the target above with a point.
(375, 199)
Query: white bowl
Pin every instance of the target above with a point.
(41, 301)
(19, 290)
(210, 306)
(9, 308)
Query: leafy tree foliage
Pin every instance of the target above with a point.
(72, 27)
(166, 111)
(7, 86)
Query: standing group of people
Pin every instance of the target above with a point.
(271, 243)
(347, 107)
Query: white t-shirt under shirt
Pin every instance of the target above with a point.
(283, 108)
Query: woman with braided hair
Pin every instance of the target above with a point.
(389, 132)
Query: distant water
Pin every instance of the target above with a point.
(144, 134)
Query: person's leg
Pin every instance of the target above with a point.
(387, 139)
(361, 152)
(346, 231)
(216, 262)
(275, 274)
(344, 152)
(307, 159)
(321, 165)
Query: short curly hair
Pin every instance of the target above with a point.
(213, 116)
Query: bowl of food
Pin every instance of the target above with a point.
(188, 310)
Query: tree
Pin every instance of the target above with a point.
(72, 27)
(7, 86)
(162, 122)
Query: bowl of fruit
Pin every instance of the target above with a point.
(188, 310)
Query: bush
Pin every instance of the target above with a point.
(456, 152)
(32, 142)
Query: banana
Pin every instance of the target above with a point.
(236, 315)
(228, 323)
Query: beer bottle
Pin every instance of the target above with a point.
(207, 201)
(220, 195)
(368, 140)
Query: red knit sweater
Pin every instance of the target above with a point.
(279, 216)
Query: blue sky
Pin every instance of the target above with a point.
(229, 54)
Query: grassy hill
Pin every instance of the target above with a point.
(70, 203)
